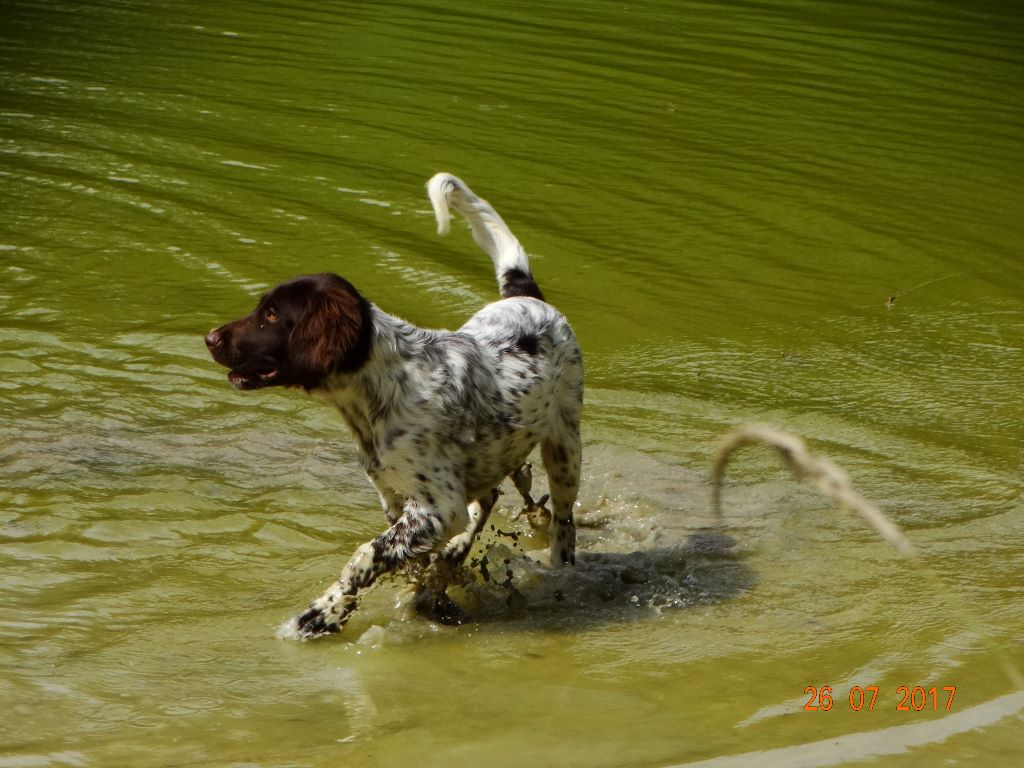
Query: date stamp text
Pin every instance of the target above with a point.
(862, 698)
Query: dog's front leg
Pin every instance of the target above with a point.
(392, 503)
(329, 612)
(422, 529)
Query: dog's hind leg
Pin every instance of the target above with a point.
(458, 546)
(432, 599)
(562, 459)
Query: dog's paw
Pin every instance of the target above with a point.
(316, 622)
(439, 608)
(536, 514)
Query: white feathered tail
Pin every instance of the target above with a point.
(491, 233)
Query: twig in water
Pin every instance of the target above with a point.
(816, 472)
(891, 301)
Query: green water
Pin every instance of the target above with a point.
(721, 197)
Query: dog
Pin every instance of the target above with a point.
(440, 418)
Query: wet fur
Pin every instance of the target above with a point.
(439, 417)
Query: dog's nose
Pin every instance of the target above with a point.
(213, 339)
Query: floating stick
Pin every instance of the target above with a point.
(818, 473)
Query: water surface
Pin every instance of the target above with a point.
(805, 213)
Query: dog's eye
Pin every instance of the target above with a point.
(270, 315)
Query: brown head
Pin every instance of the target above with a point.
(301, 332)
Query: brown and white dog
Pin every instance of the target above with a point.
(439, 417)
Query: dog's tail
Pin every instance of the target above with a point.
(489, 231)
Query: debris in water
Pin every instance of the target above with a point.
(536, 514)
(816, 472)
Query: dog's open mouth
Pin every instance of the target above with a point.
(254, 380)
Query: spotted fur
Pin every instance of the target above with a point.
(439, 417)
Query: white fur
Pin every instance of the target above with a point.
(442, 417)
(489, 229)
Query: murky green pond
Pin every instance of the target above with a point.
(802, 213)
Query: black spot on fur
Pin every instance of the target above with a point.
(313, 623)
(392, 436)
(558, 454)
(528, 343)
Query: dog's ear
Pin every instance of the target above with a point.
(332, 335)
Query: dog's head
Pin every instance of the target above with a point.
(300, 332)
